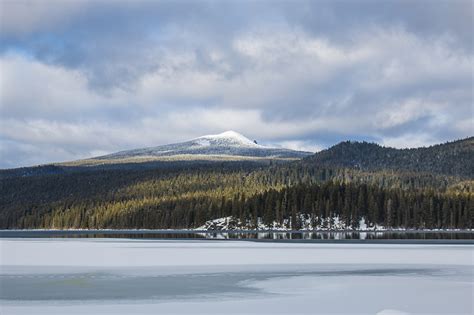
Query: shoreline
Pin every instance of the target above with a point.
(414, 237)
(190, 231)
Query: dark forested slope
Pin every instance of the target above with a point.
(452, 158)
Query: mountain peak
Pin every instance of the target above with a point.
(232, 134)
(229, 137)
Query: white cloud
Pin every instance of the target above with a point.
(410, 141)
(299, 145)
(30, 88)
(406, 111)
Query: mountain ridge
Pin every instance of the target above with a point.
(227, 147)
(228, 143)
(455, 158)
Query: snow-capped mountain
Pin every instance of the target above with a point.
(226, 144)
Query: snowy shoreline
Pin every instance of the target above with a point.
(246, 230)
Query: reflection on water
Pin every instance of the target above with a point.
(244, 235)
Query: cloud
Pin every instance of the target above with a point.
(20, 17)
(32, 88)
(87, 77)
(300, 145)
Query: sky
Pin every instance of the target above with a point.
(85, 78)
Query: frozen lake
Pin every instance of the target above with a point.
(130, 276)
(410, 236)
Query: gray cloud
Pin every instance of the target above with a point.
(301, 74)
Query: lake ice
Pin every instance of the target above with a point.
(110, 276)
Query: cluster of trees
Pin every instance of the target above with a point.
(392, 208)
(100, 199)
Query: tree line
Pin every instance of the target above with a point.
(188, 196)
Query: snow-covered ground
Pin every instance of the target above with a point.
(114, 276)
(306, 221)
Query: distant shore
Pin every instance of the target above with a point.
(435, 237)
(164, 231)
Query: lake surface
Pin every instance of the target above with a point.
(319, 236)
(165, 276)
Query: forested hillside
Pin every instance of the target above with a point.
(452, 158)
(311, 193)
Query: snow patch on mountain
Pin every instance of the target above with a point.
(229, 143)
(203, 142)
(230, 138)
